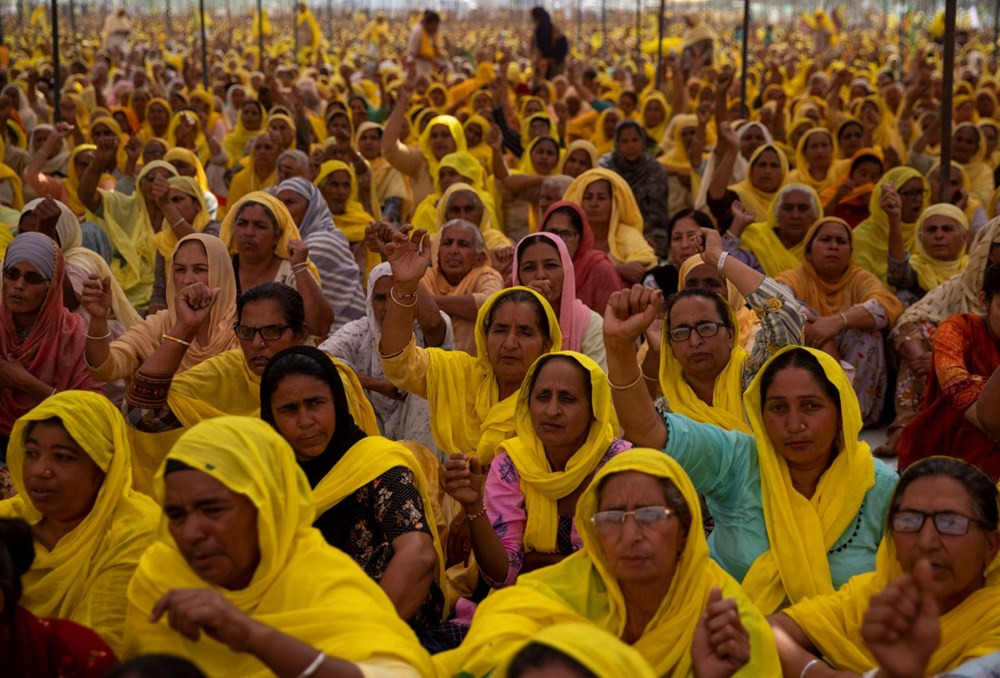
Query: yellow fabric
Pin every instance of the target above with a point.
(602, 141)
(302, 587)
(72, 182)
(146, 131)
(526, 137)
(166, 238)
(801, 531)
(655, 133)
(467, 415)
(754, 199)
(871, 237)
(762, 240)
(354, 220)
(188, 156)
(200, 142)
(802, 175)
(236, 141)
(494, 237)
(287, 119)
(121, 157)
(597, 650)
(424, 143)
(625, 240)
(527, 166)
(932, 272)
(543, 487)
(578, 145)
(246, 181)
(16, 185)
(84, 577)
(482, 151)
(582, 589)
(746, 320)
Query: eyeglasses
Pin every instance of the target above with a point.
(268, 333)
(567, 235)
(914, 194)
(704, 330)
(14, 274)
(945, 522)
(645, 516)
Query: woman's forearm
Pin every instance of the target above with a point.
(397, 327)
(319, 313)
(410, 572)
(98, 346)
(490, 554)
(463, 306)
(434, 327)
(288, 657)
(637, 413)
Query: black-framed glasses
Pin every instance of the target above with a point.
(31, 277)
(568, 235)
(914, 194)
(645, 516)
(704, 330)
(950, 523)
(267, 333)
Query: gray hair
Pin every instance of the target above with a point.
(560, 181)
(477, 234)
(477, 201)
(788, 188)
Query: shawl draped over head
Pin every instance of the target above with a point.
(57, 163)
(625, 240)
(574, 316)
(353, 221)
(578, 145)
(802, 531)
(833, 621)
(754, 199)
(166, 239)
(597, 650)
(583, 589)
(467, 415)
(424, 143)
(83, 578)
(871, 237)
(761, 238)
(493, 236)
(53, 349)
(802, 173)
(932, 272)
(855, 286)
(746, 320)
(302, 587)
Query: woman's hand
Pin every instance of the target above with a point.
(891, 203)
(823, 329)
(711, 249)
(502, 260)
(12, 373)
(916, 356)
(96, 296)
(133, 149)
(629, 313)
(632, 272)
(193, 611)
(742, 217)
(107, 150)
(721, 645)
(386, 388)
(408, 252)
(298, 252)
(194, 305)
(160, 191)
(463, 481)
(494, 138)
(543, 287)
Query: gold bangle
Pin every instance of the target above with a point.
(626, 387)
(655, 380)
(179, 341)
(392, 293)
(472, 516)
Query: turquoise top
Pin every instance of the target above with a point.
(723, 466)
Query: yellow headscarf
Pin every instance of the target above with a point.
(746, 320)
(424, 143)
(552, 131)
(493, 236)
(601, 140)
(582, 589)
(200, 142)
(802, 531)
(978, 173)
(481, 151)
(236, 141)
(16, 185)
(802, 174)
(597, 650)
(467, 415)
(354, 219)
(762, 240)
(189, 157)
(527, 166)
(121, 156)
(871, 237)
(543, 487)
(625, 240)
(302, 586)
(754, 199)
(932, 272)
(578, 145)
(83, 578)
(655, 133)
(676, 156)
(166, 239)
(146, 131)
(72, 182)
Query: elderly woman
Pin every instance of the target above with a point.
(70, 461)
(41, 341)
(329, 249)
(766, 173)
(643, 574)
(938, 252)
(909, 197)
(399, 416)
(338, 184)
(798, 501)
(371, 495)
(264, 594)
(463, 201)
(266, 247)
(940, 547)
(647, 178)
(472, 399)
(847, 309)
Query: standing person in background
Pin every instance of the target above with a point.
(549, 46)
(423, 49)
(116, 30)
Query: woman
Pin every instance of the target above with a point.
(872, 235)
(329, 249)
(938, 252)
(614, 218)
(472, 399)
(814, 160)
(542, 263)
(71, 463)
(519, 190)
(44, 184)
(778, 242)
(582, 649)
(41, 341)
(338, 185)
(266, 247)
(646, 177)
(694, 273)
(248, 125)
(565, 430)
(751, 136)
(187, 164)
(258, 172)
(549, 46)
(275, 592)
(56, 155)
(391, 190)
(847, 309)
(966, 353)
(463, 201)
(648, 581)
(156, 120)
(33, 647)
(961, 503)
(454, 168)
(683, 159)
(766, 173)
(594, 275)
(580, 156)
(399, 416)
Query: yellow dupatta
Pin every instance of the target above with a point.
(72, 182)
(424, 142)
(746, 320)
(83, 578)
(932, 272)
(578, 145)
(387, 181)
(762, 240)
(655, 133)
(754, 199)
(16, 184)
(625, 239)
(471, 172)
(235, 142)
(146, 131)
(302, 586)
(165, 238)
(801, 531)
(494, 237)
(481, 151)
(121, 156)
(353, 220)
(600, 139)
(871, 237)
(200, 142)
(582, 589)
(726, 410)
(597, 650)
(543, 487)
(189, 157)
(467, 415)
(801, 174)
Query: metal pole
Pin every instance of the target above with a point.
(947, 87)
(170, 31)
(903, 12)
(329, 20)
(295, 31)
(659, 44)
(204, 45)
(260, 35)
(72, 23)
(746, 42)
(579, 25)
(57, 85)
(638, 32)
(1, 24)
(996, 27)
(604, 27)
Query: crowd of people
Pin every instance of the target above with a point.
(427, 348)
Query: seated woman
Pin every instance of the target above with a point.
(961, 505)
(542, 263)
(258, 173)
(70, 460)
(577, 650)
(645, 176)
(391, 190)
(594, 275)
(471, 399)
(814, 164)
(966, 352)
(460, 167)
(463, 201)
(765, 174)
(329, 249)
(849, 198)
(520, 188)
(957, 192)
(683, 158)
(45, 183)
(34, 647)
(579, 157)
(847, 309)
(649, 581)
(266, 247)
(338, 185)
(615, 220)
(249, 123)
(399, 416)
(696, 274)
(565, 430)
(265, 594)
(938, 252)
(41, 341)
(872, 235)
(798, 503)
(461, 278)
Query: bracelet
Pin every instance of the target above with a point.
(626, 387)
(655, 380)
(811, 663)
(55, 389)
(843, 316)
(722, 263)
(298, 268)
(177, 223)
(179, 341)
(473, 516)
(315, 664)
(107, 335)
(392, 293)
